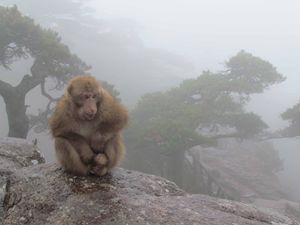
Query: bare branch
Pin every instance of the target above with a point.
(44, 93)
(39, 122)
(51, 99)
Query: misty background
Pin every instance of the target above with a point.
(148, 46)
(207, 33)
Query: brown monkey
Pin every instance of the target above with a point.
(86, 126)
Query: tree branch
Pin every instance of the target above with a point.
(40, 121)
(44, 93)
(51, 99)
(5, 88)
(29, 82)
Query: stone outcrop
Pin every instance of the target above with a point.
(44, 194)
(243, 170)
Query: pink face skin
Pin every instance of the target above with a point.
(88, 105)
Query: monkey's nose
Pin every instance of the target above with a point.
(91, 111)
(90, 114)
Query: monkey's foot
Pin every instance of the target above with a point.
(99, 167)
(100, 159)
(99, 170)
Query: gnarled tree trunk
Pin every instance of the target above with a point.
(16, 113)
(14, 98)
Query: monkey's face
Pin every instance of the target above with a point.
(87, 104)
(85, 94)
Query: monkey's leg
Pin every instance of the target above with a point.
(69, 158)
(114, 151)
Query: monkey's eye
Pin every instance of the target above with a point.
(86, 96)
(94, 96)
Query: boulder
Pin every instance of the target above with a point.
(45, 194)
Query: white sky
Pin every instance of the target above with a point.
(190, 27)
(209, 32)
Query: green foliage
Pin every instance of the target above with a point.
(249, 74)
(292, 115)
(247, 124)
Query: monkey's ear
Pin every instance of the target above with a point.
(101, 92)
(70, 89)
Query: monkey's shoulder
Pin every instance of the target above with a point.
(61, 120)
(113, 113)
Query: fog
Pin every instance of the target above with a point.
(289, 150)
(208, 32)
(144, 46)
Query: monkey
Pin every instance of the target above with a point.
(86, 126)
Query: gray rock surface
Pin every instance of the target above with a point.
(15, 153)
(282, 206)
(44, 194)
(240, 168)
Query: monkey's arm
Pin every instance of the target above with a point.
(69, 158)
(81, 146)
(64, 126)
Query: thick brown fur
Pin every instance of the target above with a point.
(90, 144)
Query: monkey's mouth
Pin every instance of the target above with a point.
(89, 116)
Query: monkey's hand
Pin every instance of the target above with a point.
(97, 143)
(99, 167)
(87, 156)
